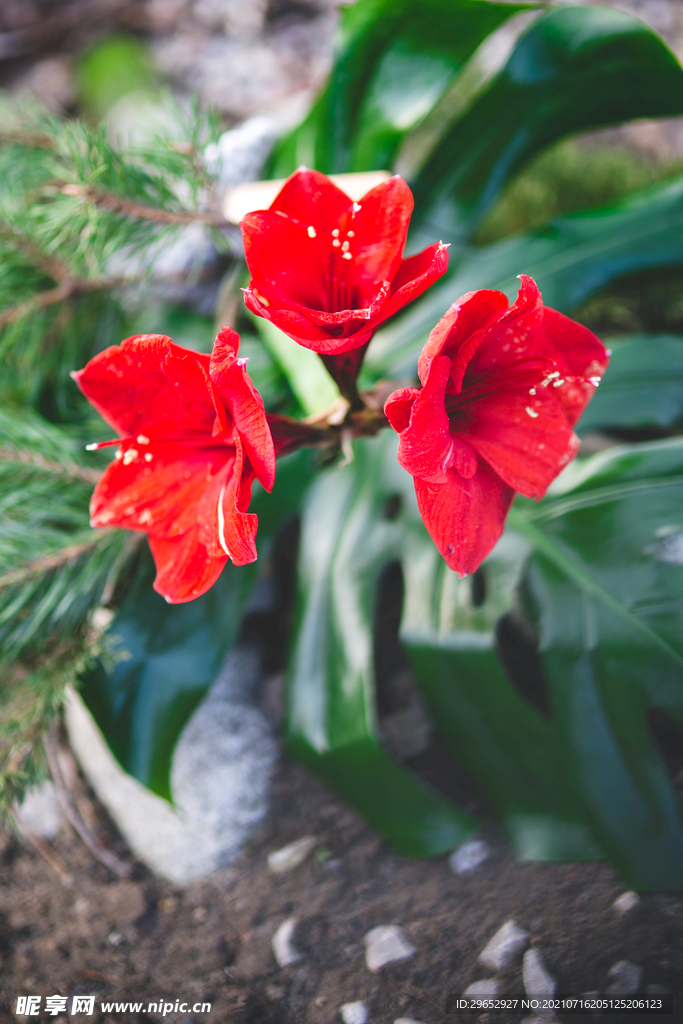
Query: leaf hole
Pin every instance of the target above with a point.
(518, 650)
(393, 507)
(668, 735)
(478, 587)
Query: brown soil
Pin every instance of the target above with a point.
(144, 939)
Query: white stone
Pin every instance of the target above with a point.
(240, 153)
(385, 944)
(354, 1013)
(625, 978)
(40, 812)
(485, 988)
(537, 980)
(220, 779)
(469, 856)
(502, 949)
(627, 901)
(289, 857)
(407, 1020)
(284, 950)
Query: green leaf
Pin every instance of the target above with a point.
(643, 386)
(570, 260)
(395, 59)
(169, 654)
(348, 538)
(576, 69)
(605, 590)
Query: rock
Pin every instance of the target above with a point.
(289, 857)
(40, 812)
(284, 950)
(407, 1020)
(627, 901)
(625, 978)
(485, 988)
(220, 778)
(501, 950)
(385, 944)
(240, 153)
(354, 1013)
(537, 981)
(469, 856)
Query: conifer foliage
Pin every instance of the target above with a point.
(81, 224)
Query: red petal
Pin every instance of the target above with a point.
(380, 225)
(225, 525)
(184, 569)
(527, 449)
(465, 517)
(516, 336)
(312, 199)
(459, 331)
(330, 341)
(415, 275)
(149, 380)
(161, 496)
(578, 354)
(426, 448)
(398, 406)
(237, 391)
(285, 264)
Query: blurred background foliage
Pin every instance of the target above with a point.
(555, 674)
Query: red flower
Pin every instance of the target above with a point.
(193, 437)
(502, 388)
(328, 271)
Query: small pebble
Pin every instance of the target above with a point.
(284, 950)
(627, 901)
(485, 988)
(385, 944)
(407, 1020)
(289, 857)
(469, 856)
(537, 981)
(625, 978)
(502, 949)
(354, 1013)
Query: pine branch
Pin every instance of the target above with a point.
(42, 565)
(68, 289)
(136, 210)
(71, 469)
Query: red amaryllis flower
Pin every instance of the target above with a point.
(328, 271)
(502, 387)
(193, 437)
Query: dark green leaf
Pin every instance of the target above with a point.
(605, 589)
(576, 69)
(505, 744)
(643, 386)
